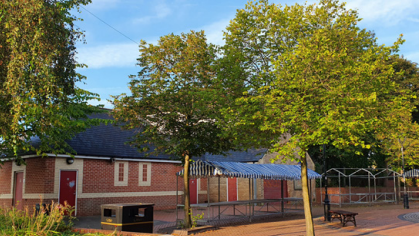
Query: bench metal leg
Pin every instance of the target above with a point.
(336, 216)
(347, 219)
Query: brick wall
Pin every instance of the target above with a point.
(5, 203)
(5, 178)
(38, 179)
(243, 189)
(98, 177)
(214, 189)
(39, 175)
(203, 184)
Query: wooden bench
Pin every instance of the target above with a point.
(343, 216)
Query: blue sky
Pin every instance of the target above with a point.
(111, 57)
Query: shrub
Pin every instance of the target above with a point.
(51, 221)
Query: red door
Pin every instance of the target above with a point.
(272, 189)
(17, 201)
(68, 187)
(193, 191)
(232, 189)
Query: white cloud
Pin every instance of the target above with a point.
(111, 55)
(388, 12)
(160, 10)
(214, 31)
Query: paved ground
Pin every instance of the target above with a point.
(373, 220)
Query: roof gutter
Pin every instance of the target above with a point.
(98, 158)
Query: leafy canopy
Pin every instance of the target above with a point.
(171, 98)
(38, 94)
(308, 72)
(321, 78)
(385, 148)
(172, 104)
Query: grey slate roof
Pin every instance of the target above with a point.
(111, 141)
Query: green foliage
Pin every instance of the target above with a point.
(388, 152)
(20, 222)
(325, 81)
(402, 145)
(196, 218)
(347, 157)
(172, 103)
(171, 98)
(181, 224)
(305, 75)
(407, 76)
(255, 38)
(38, 94)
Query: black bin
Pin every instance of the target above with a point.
(133, 217)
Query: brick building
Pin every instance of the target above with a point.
(107, 170)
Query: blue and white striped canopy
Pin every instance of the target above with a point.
(202, 169)
(412, 173)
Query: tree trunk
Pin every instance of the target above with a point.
(306, 198)
(187, 208)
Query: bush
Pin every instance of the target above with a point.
(52, 221)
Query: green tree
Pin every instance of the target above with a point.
(351, 156)
(402, 144)
(172, 102)
(407, 78)
(388, 152)
(312, 73)
(400, 141)
(38, 94)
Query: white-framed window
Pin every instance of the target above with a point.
(121, 173)
(144, 174)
